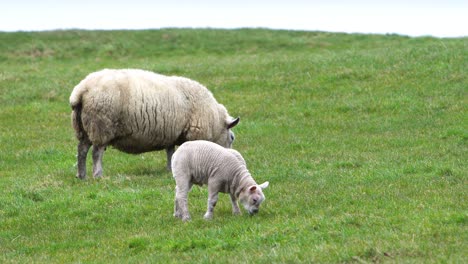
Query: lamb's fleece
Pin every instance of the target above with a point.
(138, 111)
(223, 170)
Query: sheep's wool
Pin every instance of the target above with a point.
(138, 111)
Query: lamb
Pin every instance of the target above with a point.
(223, 170)
(138, 111)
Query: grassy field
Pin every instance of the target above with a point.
(362, 137)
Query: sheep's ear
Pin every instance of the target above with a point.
(264, 185)
(253, 188)
(233, 123)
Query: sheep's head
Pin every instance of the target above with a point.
(226, 137)
(252, 197)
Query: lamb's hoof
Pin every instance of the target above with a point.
(81, 177)
(185, 218)
(208, 216)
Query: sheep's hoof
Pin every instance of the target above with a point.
(97, 174)
(177, 215)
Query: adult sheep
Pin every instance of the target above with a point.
(138, 111)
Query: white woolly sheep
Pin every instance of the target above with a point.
(223, 170)
(138, 111)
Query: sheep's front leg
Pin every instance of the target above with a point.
(169, 152)
(98, 152)
(212, 200)
(83, 148)
(235, 206)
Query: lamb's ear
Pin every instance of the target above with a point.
(253, 188)
(233, 123)
(264, 185)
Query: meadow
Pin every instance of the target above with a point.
(363, 139)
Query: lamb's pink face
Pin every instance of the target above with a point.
(252, 197)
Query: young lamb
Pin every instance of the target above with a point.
(138, 111)
(223, 170)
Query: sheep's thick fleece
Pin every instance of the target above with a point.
(138, 111)
(223, 170)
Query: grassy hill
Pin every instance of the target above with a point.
(362, 137)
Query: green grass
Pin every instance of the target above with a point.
(362, 137)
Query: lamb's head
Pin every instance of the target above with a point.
(252, 197)
(226, 136)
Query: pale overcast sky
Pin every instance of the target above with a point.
(445, 18)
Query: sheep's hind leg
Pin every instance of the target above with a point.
(169, 152)
(83, 148)
(98, 152)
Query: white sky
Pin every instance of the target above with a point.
(444, 18)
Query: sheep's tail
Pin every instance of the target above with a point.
(76, 105)
(77, 94)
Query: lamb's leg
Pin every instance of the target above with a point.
(235, 206)
(83, 148)
(98, 152)
(177, 212)
(212, 200)
(181, 200)
(169, 151)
